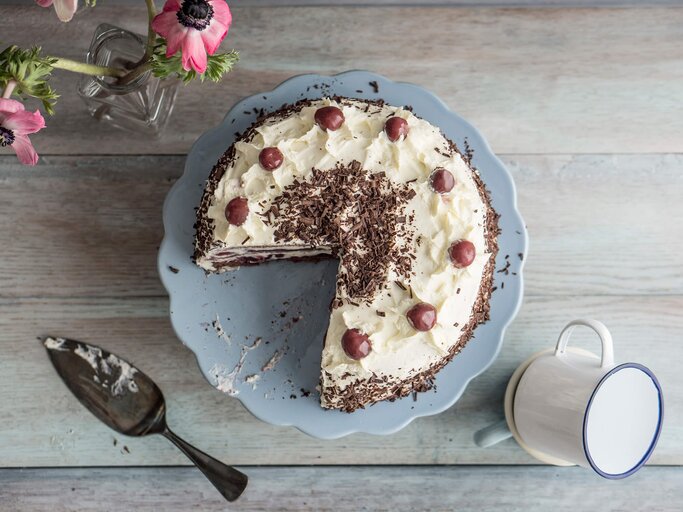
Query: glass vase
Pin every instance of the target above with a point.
(143, 105)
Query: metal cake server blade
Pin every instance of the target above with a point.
(129, 402)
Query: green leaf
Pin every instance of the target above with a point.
(31, 72)
(217, 65)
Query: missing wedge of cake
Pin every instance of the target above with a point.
(389, 196)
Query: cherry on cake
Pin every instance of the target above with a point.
(389, 196)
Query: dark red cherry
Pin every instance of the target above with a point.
(462, 253)
(237, 210)
(270, 158)
(442, 181)
(396, 128)
(329, 118)
(356, 344)
(422, 316)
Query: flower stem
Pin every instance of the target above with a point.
(9, 88)
(151, 36)
(149, 47)
(124, 76)
(87, 69)
(134, 73)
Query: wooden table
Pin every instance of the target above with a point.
(585, 107)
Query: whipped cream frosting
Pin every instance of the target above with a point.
(398, 350)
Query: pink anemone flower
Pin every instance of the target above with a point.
(15, 126)
(65, 8)
(195, 26)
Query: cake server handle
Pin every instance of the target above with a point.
(229, 481)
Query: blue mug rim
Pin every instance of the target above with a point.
(655, 438)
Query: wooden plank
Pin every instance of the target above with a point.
(461, 3)
(655, 489)
(90, 226)
(43, 425)
(417, 3)
(533, 80)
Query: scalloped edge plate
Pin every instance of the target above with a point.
(245, 300)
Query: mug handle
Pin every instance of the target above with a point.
(605, 338)
(493, 434)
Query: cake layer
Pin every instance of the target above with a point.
(237, 256)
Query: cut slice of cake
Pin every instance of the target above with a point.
(400, 207)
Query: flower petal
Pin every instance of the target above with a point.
(44, 3)
(65, 9)
(175, 40)
(8, 106)
(167, 26)
(172, 5)
(194, 54)
(23, 122)
(213, 35)
(24, 149)
(221, 12)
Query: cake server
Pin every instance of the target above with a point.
(129, 402)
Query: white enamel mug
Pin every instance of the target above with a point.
(589, 411)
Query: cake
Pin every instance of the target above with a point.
(399, 206)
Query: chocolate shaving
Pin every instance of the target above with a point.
(360, 215)
(505, 270)
(468, 153)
